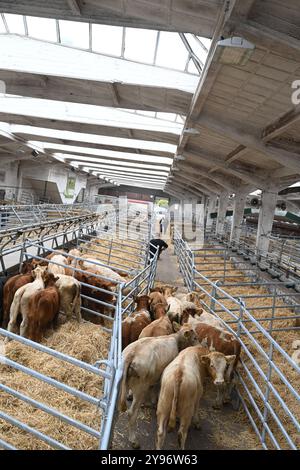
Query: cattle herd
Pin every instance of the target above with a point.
(170, 347)
(61, 282)
(170, 344)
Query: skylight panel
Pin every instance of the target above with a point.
(92, 138)
(197, 48)
(192, 68)
(42, 28)
(102, 152)
(107, 39)
(2, 27)
(171, 51)
(75, 160)
(74, 34)
(140, 44)
(206, 42)
(15, 23)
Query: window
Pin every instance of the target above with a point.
(107, 39)
(140, 44)
(15, 23)
(2, 27)
(42, 28)
(75, 34)
(171, 51)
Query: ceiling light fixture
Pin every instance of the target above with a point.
(235, 50)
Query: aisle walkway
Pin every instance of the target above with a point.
(221, 430)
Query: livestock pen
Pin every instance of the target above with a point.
(263, 314)
(62, 393)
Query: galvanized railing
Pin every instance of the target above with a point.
(108, 368)
(268, 379)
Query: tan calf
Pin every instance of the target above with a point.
(69, 291)
(182, 387)
(144, 362)
(160, 327)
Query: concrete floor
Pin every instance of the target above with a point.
(221, 430)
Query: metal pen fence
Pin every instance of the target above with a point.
(108, 369)
(268, 379)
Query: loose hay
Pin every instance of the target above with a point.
(115, 253)
(86, 342)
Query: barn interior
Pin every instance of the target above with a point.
(131, 121)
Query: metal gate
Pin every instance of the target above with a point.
(116, 255)
(268, 379)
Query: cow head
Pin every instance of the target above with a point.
(142, 302)
(185, 336)
(218, 365)
(155, 289)
(168, 291)
(39, 272)
(50, 279)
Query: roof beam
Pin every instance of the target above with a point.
(245, 174)
(203, 189)
(264, 36)
(280, 125)
(197, 18)
(211, 186)
(242, 136)
(74, 7)
(227, 183)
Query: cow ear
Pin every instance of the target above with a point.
(176, 326)
(205, 360)
(230, 359)
(201, 296)
(199, 311)
(174, 289)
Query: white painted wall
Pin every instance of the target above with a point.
(11, 179)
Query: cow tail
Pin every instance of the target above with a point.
(177, 383)
(123, 392)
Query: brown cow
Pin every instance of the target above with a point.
(156, 298)
(182, 387)
(20, 303)
(43, 309)
(94, 295)
(133, 325)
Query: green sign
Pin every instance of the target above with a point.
(70, 187)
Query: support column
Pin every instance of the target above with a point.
(266, 217)
(238, 214)
(223, 204)
(210, 208)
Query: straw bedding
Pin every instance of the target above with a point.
(116, 255)
(86, 342)
(283, 338)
